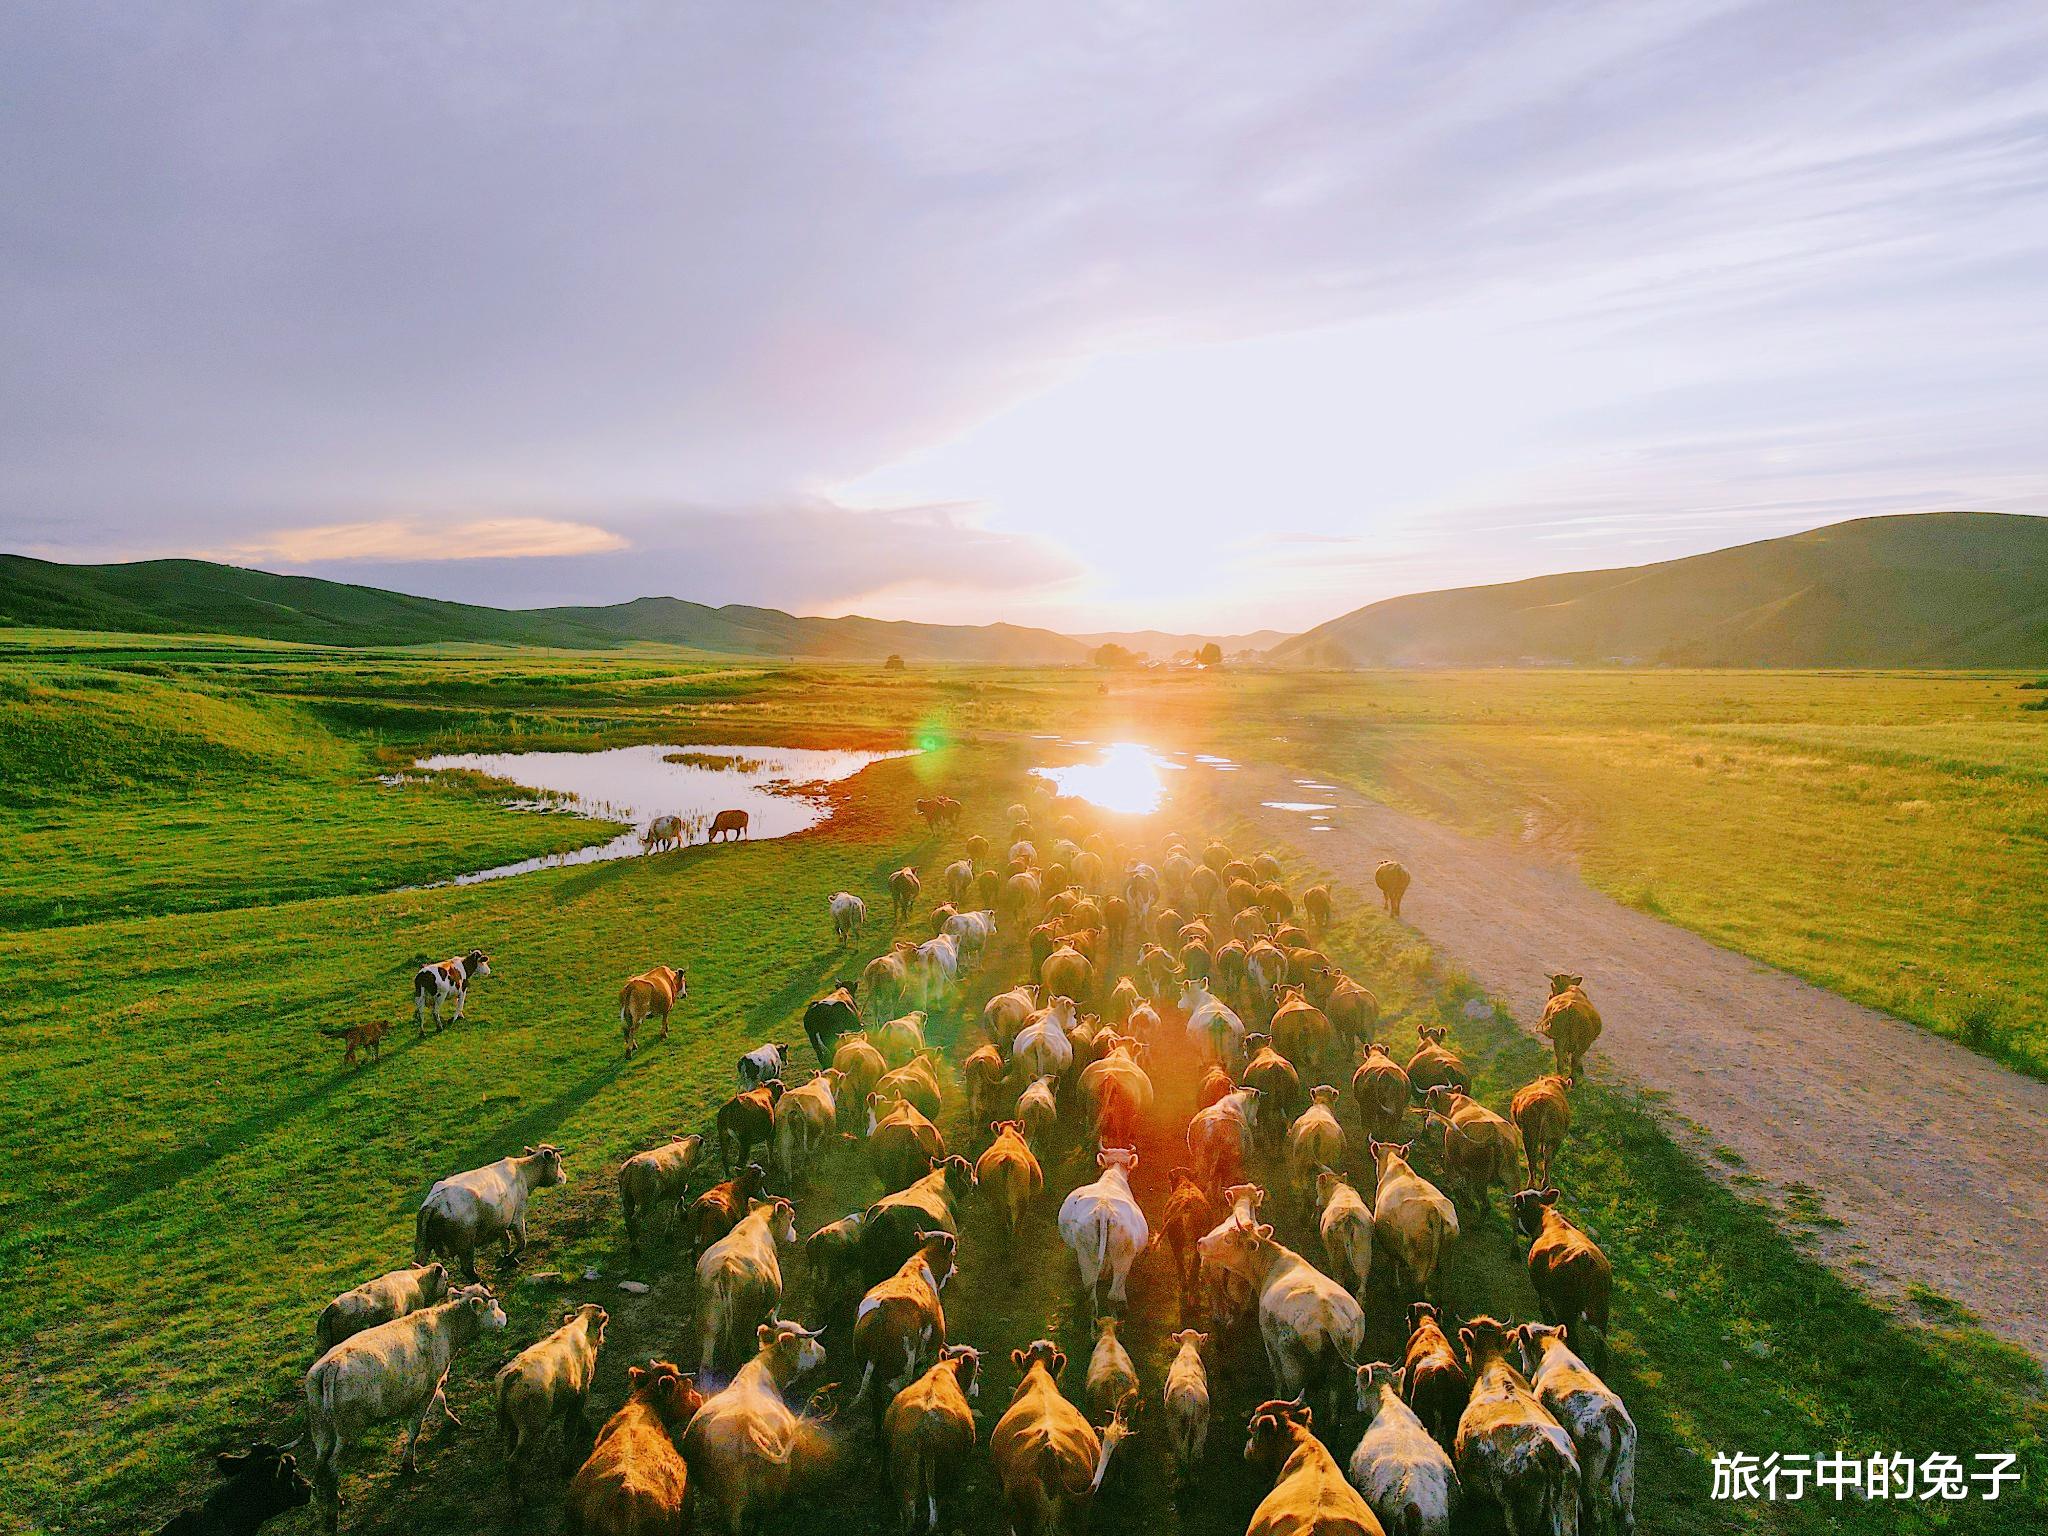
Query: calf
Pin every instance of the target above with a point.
(739, 1278)
(256, 1486)
(396, 1370)
(1603, 1434)
(1433, 1379)
(1403, 1473)
(1309, 1495)
(1510, 1451)
(1048, 1457)
(445, 979)
(1112, 1374)
(380, 1300)
(1571, 1023)
(901, 1322)
(548, 1383)
(1190, 1213)
(656, 1178)
(1187, 1402)
(650, 995)
(1009, 1174)
(1573, 1280)
(1542, 1112)
(743, 1445)
(762, 1063)
(928, 1437)
(467, 1210)
(745, 1121)
(635, 1479)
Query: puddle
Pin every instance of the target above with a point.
(1126, 778)
(1313, 784)
(1296, 805)
(778, 788)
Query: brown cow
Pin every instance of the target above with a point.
(832, 1259)
(1190, 1215)
(1571, 1023)
(719, 1209)
(903, 888)
(1509, 1448)
(744, 1444)
(1310, 1496)
(901, 1323)
(890, 1233)
(1279, 1086)
(739, 1277)
(634, 1480)
(861, 1067)
(548, 1383)
(917, 1081)
(728, 824)
(1316, 902)
(659, 1176)
(1433, 1381)
(747, 1120)
(985, 1074)
(1435, 1064)
(1353, 1011)
(1393, 881)
(650, 995)
(1381, 1088)
(1214, 1085)
(1048, 1457)
(1301, 1031)
(1573, 1280)
(1009, 1173)
(1543, 1113)
(902, 1142)
(928, 1437)
(1480, 1149)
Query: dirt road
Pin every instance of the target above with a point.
(1934, 1159)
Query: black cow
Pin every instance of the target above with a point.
(261, 1483)
(828, 1018)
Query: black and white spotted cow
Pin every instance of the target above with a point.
(449, 978)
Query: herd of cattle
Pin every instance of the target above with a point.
(1180, 997)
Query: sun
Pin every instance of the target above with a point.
(1125, 780)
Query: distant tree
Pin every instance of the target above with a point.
(1210, 655)
(893, 664)
(1113, 655)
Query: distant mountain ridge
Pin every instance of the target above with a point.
(1936, 589)
(201, 597)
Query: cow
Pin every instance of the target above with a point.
(719, 1209)
(634, 1481)
(928, 1437)
(938, 968)
(972, 931)
(257, 1485)
(1413, 1220)
(390, 1295)
(396, 1370)
(1214, 1085)
(985, 1074)
(902, 1142)
(1353, 1011)
(1542, 1112)
(1220, 1137)
(1380, 1085)
(662, 832)
(849, 915)
(444, 979)
(745, 1121)
(731, 825)
(1112, 1374)
(832, 1259)
(1433, 1379)
(1434, 1064)
(1104, 1226)
(1279, 1085)
(1573, 1280)
(548, 1383)
(1006, 1013)
(1008, 1174)
(916, 1080)
(960, 881)
(1314, 1142)
(1190, 1214)
(900, 1039)
(650, 995)
(1393, 880)
(1480, 1149)
(1214, 1028)
(1603, 1434)
(1570, 1022)
(1403, 1473)
(1344, 1221)
(1022, 892)
(829, 1017)
(1042, 1047)
(903, 888)
(1309, 1495)
(1048, 1457)
(860, 1066)
(1510, 1450)
(762, 1063)
(1038, 1109)
(1315, 901)
(900, 1324)
(739, 1278)
(1311, 1326)
(744, 1444)
(1187, 1402)
(885, 980)
(466, 1210)
(890, 1232)
(1119, 1088)
(659, 1176)
(804, 1119)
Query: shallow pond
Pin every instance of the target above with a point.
(778, 787)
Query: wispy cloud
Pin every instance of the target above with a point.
(424, 541)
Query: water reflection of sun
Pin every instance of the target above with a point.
(1127, 779)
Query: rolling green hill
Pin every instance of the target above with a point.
(1938, 589)
(199, 597)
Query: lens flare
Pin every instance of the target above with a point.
(1126, 779)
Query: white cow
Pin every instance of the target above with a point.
(662, 832)
(1214, 1029)
(1404, 1474)
(959, 880)
(971, 930)
(1105, 1227)
(1592, 1413)
(849, 915)
(1042, 1048)
(466, 1210)
(1309, 1323)
(938, 962)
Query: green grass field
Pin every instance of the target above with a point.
(199, 1174)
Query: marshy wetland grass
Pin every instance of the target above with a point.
(196, 1173)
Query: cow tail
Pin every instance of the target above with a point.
(927, 1483)
(422, 1243)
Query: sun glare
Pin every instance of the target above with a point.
(1126, 779)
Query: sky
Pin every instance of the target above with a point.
(1205, 316)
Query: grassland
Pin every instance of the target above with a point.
(197, 1174)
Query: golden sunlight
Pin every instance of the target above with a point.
(1126, 780)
